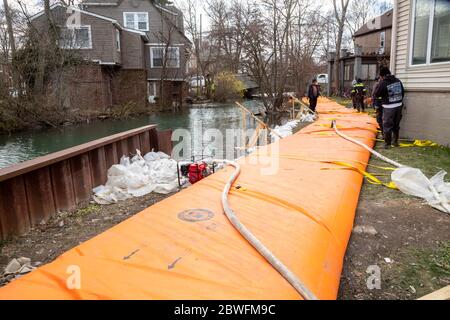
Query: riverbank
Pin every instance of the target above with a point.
(408, 240)
(18, 117)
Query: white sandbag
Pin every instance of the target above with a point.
(307, 117)
(284, 130)
(162, 155)
(166, 188)
(138, 157)
(151, 156)
(125, 161)
(155, 172)
(143, 191)
(117, 170)
(435, 191)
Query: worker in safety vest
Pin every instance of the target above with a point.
(376, 104)
(359, 92)
(391, 92)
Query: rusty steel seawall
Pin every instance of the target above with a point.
(33, 191)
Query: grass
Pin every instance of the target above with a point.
(430, 160)
(90, 209)
(423, 269)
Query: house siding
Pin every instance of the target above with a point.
(132, 49)
(416, 78)
(160, 31)
(427, 107)
(102, 35)
(170, 73)
(371, 42)
(157, 23)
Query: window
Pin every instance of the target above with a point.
(76, 38)
(383, 39)
(369, 72)
(431, 37)
(157, 57)
(347, 73)
(440, 50)
(173, 57)
(118, 40)
(136, 20)
(372, 71)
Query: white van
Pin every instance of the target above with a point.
(322, 78)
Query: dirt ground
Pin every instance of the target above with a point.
(412, 241)
(68, 229)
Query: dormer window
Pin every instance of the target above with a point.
(136, 20)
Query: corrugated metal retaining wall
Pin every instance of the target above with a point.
(33, 191)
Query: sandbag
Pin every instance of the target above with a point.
(435, 191)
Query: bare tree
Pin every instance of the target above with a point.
(340, 14)
(166, 36)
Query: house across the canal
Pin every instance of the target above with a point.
(130, 48)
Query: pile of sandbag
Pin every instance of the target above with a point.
(137, 177)
(284, 130)
(307, 117)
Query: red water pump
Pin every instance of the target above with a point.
(197, 171)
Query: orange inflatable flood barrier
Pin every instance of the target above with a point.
(303, 213)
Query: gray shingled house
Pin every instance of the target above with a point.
(131, 45)
(372, 48)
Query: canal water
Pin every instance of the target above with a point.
(27, 145)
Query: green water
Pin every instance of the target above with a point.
(27, 145)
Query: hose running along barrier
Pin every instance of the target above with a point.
(375, 153)
(416, 176)
(293, 280)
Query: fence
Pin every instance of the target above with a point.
(35, 190)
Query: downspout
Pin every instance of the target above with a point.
(394, 39)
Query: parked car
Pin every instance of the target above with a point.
(322, 78)
(197, 81)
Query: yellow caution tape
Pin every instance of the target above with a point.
(369, 177)
(419, 143)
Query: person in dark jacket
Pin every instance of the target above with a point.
(313, 94)
(359, 92)
(376, 103)
(391, 92)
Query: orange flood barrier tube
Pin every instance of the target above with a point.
(302, 213)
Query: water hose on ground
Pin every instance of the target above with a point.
(258, 245)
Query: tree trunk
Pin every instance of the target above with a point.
(340, 19)
(12, 43)
(43, 43)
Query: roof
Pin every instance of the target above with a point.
(114, 22)
(376, 24)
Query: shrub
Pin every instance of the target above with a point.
(227, 87)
